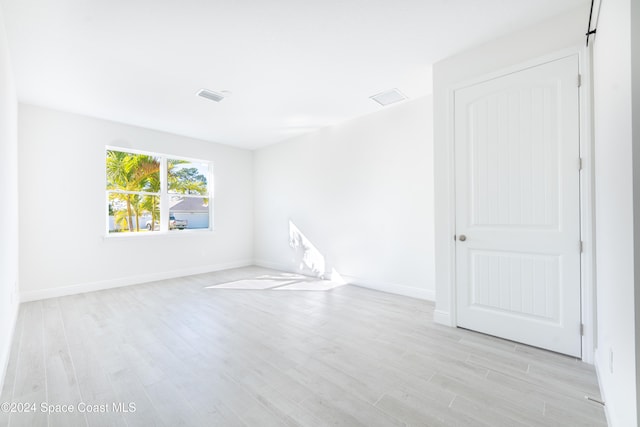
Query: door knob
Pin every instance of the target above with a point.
(462, 238)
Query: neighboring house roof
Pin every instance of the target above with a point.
(189, 204)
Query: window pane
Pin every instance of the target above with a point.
(185, 177)
(133, 213)
(132, 172)
(134, 190)
(150, 210)
(188, 213)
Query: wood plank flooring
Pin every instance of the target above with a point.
(183, 354)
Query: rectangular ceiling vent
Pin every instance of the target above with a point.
(210, 95)
(389, 97)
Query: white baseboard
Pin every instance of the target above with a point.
(600, 364)
(126, 281)
(4, 358)
(443, 318)
(425, 294)
(392, 288)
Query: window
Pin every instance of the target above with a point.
(149, 192)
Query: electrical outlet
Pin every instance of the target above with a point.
(611, 360)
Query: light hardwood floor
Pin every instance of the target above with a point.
(186, 354)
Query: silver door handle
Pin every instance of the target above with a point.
(462, 238)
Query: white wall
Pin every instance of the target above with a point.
(559, 33)
(9, 209)
(361, 193)
(635, 117)
(62, 207)
(615, 231)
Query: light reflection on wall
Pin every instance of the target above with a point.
(307, 256)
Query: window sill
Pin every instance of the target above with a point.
(157, 234)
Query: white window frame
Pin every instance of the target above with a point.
(164, 195)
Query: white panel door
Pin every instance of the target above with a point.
(518, 206)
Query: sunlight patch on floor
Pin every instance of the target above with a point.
(307, 258)
(311, 285)
(251, 284)
(285, 282)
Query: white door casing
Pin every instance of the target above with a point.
(517, 153)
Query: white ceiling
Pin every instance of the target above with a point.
(292, 66)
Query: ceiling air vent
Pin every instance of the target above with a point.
(210, 95)
(388, 97)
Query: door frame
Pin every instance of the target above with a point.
(587, 191)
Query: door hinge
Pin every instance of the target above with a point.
(581, 246)
(579, 80)
(580, 163)
(454, 237)
(581, 329)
